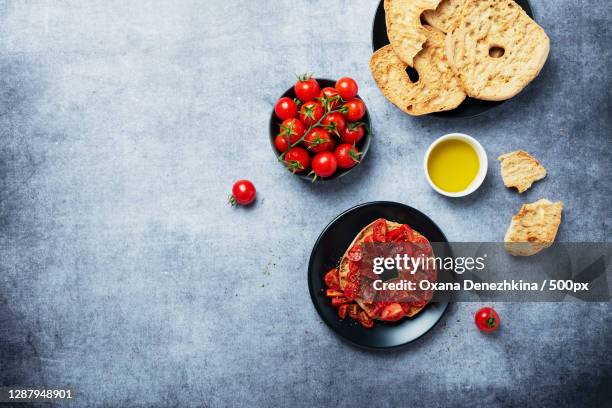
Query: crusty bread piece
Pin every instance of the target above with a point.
(533, 228)
(474, 49)
(520, 169)
(404, 29)
(437, 88)
(445, 15)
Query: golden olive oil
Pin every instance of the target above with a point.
(452, 165)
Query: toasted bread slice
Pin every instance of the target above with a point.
(533, 228)
(404, 29)
(437, 88)
(520, 169)
(496, 49)
(343, 269)
(445, 15)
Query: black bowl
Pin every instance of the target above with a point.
(469, 107)
(363, 146)
(326, 254)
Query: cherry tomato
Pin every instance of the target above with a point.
(379, 230)
(347, 156)
(365, 321)
(355, 109)
(311, 112)
(334, 122)
(306, 88)
(329, 98)
(351, 290)
(342, 311)
(324, 164)
(392, 312)
(297, 159)
(281, 143)
(354, 254)
(332, 280)
(292, 128)
(347, 88)
(319, 140)
(285, 108)
(243, 193)
(487, 320)
(353, 133)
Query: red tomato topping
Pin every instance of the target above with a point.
(354, 254)
(332, 280)
(333, 293)
(337, 301)
(353, 311)
(392, 312)
(342, 311)
(379, 230)
(365, 321)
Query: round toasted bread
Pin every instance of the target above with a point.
(343, 268)
(495, 49)
(437, 88)
(445, 15)
(404, 29)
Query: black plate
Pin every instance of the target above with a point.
(363, 146)
(326, 254)
(470, 107)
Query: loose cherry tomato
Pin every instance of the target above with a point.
(332, 280)
(337, 301)
(347, 88)
(311, 112)
(285, 108)
(487, 320)
(329, 98)
(392, 312)
(347, 156)
(353, 133)
(319, 140)
(334, 122)
(342, 311)
(297, 159)
(292, 128)
(243, 193)
(355, 110)
(365, 321)
(324, 164)
(306, 88)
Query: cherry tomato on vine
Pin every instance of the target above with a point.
(285, 108)
(281, 143)
(324, 164)
(353, 133)
(331, 96)
(243, 193)
(310, 113)
(347, 88)
(347, 156)
(335, 123)
(292, 128)
(355, 109)
(306, 88)
(487, 320)
(319, 140)
(297, 159)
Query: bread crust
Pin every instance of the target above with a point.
(437, 89)
(404, 29)
(471, 49)
(520, 169)
(533, 228)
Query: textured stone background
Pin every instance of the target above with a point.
(126, 275)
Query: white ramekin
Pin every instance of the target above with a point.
(482, 159)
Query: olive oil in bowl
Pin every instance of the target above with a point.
(454, 165)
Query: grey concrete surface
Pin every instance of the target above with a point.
(125, 275)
